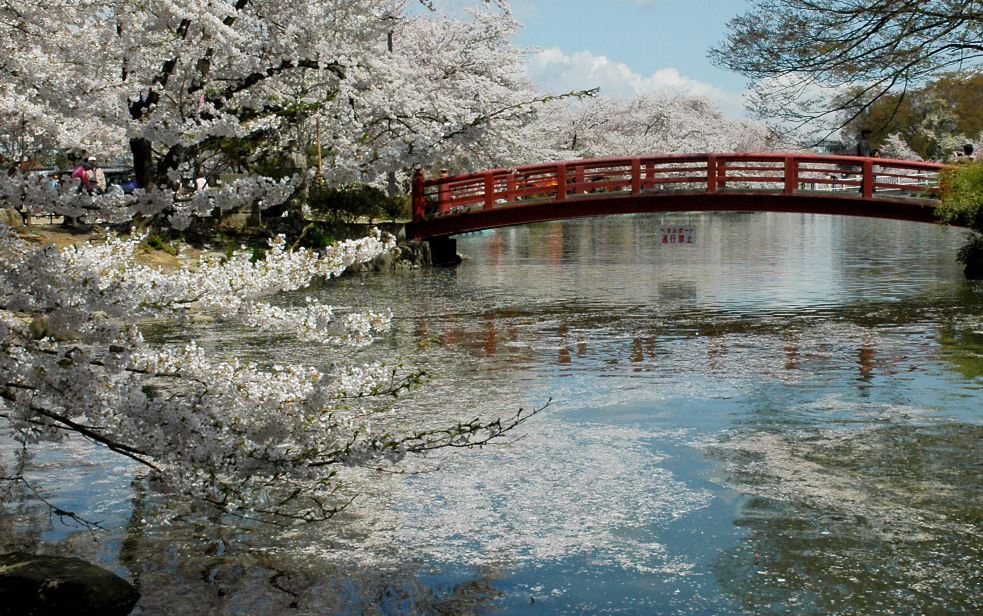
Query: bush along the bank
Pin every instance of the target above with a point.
(356, 203)
(962, 203)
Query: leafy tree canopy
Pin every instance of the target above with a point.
(802, 55)
(962, 195)
(962, 203)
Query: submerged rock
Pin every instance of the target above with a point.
(35, 585)
(406, 255)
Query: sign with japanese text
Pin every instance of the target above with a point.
(677, 235)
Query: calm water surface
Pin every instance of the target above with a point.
(781, 415)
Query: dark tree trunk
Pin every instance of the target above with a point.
(392, 187)
(143, 161)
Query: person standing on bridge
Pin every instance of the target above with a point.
(863, 146)
(863, 149)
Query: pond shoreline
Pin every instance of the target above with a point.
(174, 253)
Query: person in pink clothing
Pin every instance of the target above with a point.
(82, 174)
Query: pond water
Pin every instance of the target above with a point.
(778, 414)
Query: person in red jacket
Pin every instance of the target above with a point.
(81, 173)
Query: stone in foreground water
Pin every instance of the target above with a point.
(33, 584)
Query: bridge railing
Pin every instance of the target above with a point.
(869, 178)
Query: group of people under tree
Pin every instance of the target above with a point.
(89, 175)
(86, 176)
(86, 173)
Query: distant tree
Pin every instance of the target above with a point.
(651, 123)
(809, 62)
(933, 119)
(897, 148)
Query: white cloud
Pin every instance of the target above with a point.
(556, 71)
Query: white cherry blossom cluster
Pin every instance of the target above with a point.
(226, 286)
(650, 123)
(897, 148)
(36, 194)
(316, 322)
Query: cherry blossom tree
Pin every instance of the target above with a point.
(651, 123)
(192, 84)
(897, 148)
(457, 97)
(251, 441)
(177, 85)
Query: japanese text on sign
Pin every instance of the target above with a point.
(677, 235)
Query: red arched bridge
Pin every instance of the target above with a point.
(744, 182)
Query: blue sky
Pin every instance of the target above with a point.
(628, 47)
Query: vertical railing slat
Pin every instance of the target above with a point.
(561, 182)
(791, 174)
(443, 194)
(489, 190)
(867, 183)
(418, 200)
(711, 174)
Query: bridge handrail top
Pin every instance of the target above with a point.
(691, 157)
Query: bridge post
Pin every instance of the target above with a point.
(636, 176)
(443, 195)
(711, 174)
(649, 175)
(867, 183)
(510, 186)
(489, 190)
(561, 182)
(578, 177)
(443, 251)
(418, 200)
(791, 175)
(721, 173)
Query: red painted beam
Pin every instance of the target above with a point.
(842, 204)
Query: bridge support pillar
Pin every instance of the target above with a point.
(443, 251)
